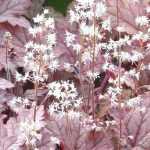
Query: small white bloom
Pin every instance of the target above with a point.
(34, 31)
(85, 3)
(46, 11)
(134, 103)
(120, 29)
(89, 30)
(66, 97)
(54, 64)
(7, 36)
(77, 48)
(29, 131)
(55, 140)
(29, 44)
(74, 17)
(140, 36)
(100, 9)
(148, 9)
(39, 18)
(92, 75)
(49, 23)
(68, 67)
(86, 57)
(136, 56)
(131, 137)
(142, 20)
(51, 39)
(70, 38)
(106, 24)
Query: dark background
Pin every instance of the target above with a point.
(59, 5)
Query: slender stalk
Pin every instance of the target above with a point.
(81, 72)
(119, 81)
(6, 58)
(93, 62)
(35, 107)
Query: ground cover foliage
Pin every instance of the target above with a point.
(79, 80)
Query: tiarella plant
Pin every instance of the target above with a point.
(76, 83)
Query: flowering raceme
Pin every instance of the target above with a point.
(40, 56)
(66, 97)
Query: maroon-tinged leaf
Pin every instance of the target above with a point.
(74, 136)
(12, 11)
(36, 8)
(136, 124)
(5, 84)
(127, 12)
(7, 134)
(5, 96)
(16, 49)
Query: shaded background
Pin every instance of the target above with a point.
(59, 5)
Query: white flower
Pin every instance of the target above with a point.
(140, 36)
(136, 56)
(54, 64)
(29, 56)
(55, 140)
(125, 56)
(72, 114)
(39, 18)
(46, 11)
(26, 101)
(89, 30)
(92, 75)
(50, 23)
(77, 48)
(115, 91)
(142, 20)
(147, 67)
(30, 131)
(85, 3)
(120, 29)
(29, 44)
(70, 38)
(86, 57)
(84, 29)
(66, 97)
(51, 39)
(18, 102)
(19, 77)
(74, 17)
(100, 9)
(131, 137)
(7, 35)
(68, 67)
(106, 24)
(148, 9)
(133, 103)
(34, 31)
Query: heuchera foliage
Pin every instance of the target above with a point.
(80, 82)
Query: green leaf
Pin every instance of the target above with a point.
(59, 5)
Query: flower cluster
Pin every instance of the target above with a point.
(18, 102)
(30, 132)
(40, 55)
(66, 97)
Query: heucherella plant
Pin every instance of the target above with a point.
(65, 97)
(40, 56)
(76, 83)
